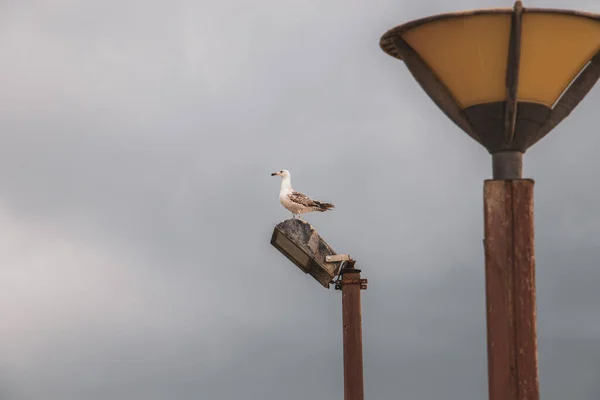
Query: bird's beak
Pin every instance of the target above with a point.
(274, 173)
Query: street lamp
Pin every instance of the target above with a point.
(302, 245)
(506, 77)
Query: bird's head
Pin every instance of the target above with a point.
(284, 173)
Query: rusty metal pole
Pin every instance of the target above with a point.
(351, 285)
(510, 290)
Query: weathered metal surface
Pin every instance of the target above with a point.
(507, 165)
(487, 119)
(309, 249)
(362, 282)
(512, 73)
(510, 290)
(352, 333)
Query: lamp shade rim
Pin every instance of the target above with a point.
(387, 45)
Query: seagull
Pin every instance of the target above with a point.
(296, 202)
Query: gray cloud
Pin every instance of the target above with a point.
(137, 206)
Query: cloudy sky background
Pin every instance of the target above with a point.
(136, 207)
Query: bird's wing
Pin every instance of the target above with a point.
(300, 198)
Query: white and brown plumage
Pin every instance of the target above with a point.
(296, 202)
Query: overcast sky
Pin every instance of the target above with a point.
(136, 207)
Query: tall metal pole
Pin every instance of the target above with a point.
(510, 289)
(351, 285)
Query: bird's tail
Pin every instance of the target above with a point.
(324, 206)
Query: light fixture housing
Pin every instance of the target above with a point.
(506, 77)
(302, 245)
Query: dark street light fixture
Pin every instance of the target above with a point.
(506, 77)
(303, 246)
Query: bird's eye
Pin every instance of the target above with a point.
(281, 171)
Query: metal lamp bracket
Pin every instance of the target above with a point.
(341, 282)
(337, 258)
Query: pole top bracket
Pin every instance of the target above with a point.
(337, 258)
(341, 282)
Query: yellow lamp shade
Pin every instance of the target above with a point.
(468, 53)
(554, 49)
(499, 74)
